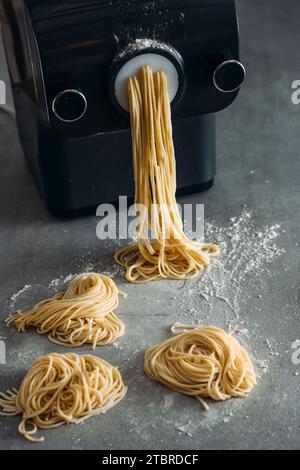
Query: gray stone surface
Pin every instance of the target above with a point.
(258, 165)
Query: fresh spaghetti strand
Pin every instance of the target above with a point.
(203, 362)
(169, 254)
(63, 389)
(82, 314)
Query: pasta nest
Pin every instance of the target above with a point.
(203, 362)
(84, 313)
(62, 389)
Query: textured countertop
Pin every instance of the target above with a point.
(253, 208)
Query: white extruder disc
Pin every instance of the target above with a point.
(157, 63)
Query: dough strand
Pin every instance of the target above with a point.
(170, 254)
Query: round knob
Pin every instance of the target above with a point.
(69, 105)
(229, 76)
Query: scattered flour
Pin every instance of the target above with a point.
(25, 357)
(184, 429)
(227, 285)
(245, 253)
(140, 44)
(15, 296)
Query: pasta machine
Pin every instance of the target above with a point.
(69, 62)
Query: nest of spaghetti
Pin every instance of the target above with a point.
(203, 362)
(84, 313)
(63, 389)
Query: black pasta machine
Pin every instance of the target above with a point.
(69, 64)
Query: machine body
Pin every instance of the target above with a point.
(68, 63)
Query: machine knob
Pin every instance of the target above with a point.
(229, 76)
(69, 105)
